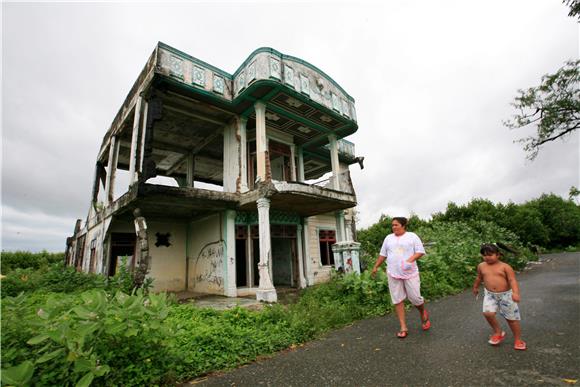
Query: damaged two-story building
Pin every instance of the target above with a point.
(241, 181)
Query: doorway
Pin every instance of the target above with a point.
(122, 245)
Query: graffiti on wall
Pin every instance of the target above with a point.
(208, 267)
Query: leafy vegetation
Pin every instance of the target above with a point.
(549, 222)
(61, 327)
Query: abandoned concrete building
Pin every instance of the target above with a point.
(234, 185)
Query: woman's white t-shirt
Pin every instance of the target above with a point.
(398, 249)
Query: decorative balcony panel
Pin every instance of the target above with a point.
(345, 148)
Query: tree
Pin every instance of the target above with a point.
(574, 7)
(553, 106)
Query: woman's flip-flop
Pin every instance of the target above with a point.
(520, 345)
(426, 324)
(402, 334)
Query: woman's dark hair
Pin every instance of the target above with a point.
(488, 249)
(402, 220)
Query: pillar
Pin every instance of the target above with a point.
(230, 289)
(266, 291)
(334, 162)
(261, 143)
(231, 159)
(243, 154)
(299, 247)
(341, 237)
(143, 131)
(111, 170)
(300, 164)
(307, 258)
(190, 170)
(134, 139)
(293, 162)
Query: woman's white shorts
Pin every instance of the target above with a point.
(405, 288)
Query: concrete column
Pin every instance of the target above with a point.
(334, 161)
(190, 170)
(231, 159)
(299, 248)
(307, 258)
(293, 162)
(143, 130)
(111, 170)
(300, 164)
(243, 154)
(134, 138)
(230, 289)
(341, 231)
(261, 142)
(266, 291)
(249, 258)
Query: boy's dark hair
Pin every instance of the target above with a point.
(488, 249)
(402, 220)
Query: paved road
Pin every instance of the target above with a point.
(453, 353)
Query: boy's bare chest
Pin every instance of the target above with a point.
(494, 276)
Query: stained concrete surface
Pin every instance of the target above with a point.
(453, 353)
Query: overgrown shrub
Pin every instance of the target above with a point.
(12, 260)
(54, 278)
(96, 337)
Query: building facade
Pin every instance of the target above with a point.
(225, 184)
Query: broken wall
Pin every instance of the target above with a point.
(206, 265)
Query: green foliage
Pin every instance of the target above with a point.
(55, 278)
(115, 339)
(561, 218)
(12, 260)
(553, 107)
(208, 340)
(548, 221)
(452, 257)
(59, 279)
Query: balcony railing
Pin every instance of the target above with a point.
(345, 148)
(344, 182)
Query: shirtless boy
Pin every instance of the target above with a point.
(502, 294)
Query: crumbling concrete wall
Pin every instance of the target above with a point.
(168, 263)
(206, 267)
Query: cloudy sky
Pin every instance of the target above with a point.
(432, 81)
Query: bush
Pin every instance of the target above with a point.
(109, 339)
(12, 260)
(55, 278)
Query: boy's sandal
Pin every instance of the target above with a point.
(402, 334)
(496, 339)
(426, 324)
(520, 345)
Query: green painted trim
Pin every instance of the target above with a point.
(297, 118)
(272, 51)
(248, 60)
(245, 95)
(276, 217)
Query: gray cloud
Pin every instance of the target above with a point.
(432, 83)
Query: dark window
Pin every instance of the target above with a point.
(326, 239)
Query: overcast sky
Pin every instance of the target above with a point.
(432, 81)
